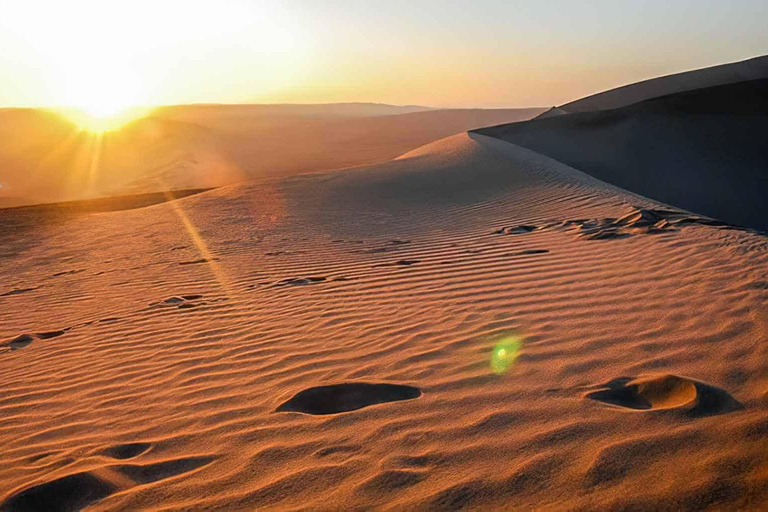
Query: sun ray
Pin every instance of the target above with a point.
(97, 143)
(77, 172)
(59, 149)
(200, 244)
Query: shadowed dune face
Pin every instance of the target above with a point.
(701, 150)
(45, 158)
(188, 323)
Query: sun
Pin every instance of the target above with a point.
(100, 117)
(102, 99)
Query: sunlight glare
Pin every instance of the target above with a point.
(103, 98)
(101, 57)
(100, 118)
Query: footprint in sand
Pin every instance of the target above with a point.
(283, 253)
(299, 281)
(666, 392)
(79, 490)
(20, 341)
(400, 263)
(24, 340)
(346, 397)
(180, 301)
(640, 221)
(69, 272)
(51, 334)
(197, 262)
(528, 252)
(17, 291)
(515, 230)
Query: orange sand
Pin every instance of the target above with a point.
(161, 342)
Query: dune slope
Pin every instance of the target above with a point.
(440, 331)
(750, 69)
(702, 150)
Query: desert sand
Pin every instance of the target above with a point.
(470, 325)
(45, 158)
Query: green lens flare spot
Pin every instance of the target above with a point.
(504, 354)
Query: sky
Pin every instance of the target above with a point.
(106, 55)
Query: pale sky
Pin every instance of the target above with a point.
(108, 54)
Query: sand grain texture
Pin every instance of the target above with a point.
(634, 371)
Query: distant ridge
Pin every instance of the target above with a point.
(307, 110)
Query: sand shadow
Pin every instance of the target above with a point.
(346, 397)
(666, 392)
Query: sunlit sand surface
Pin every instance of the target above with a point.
(439, 331)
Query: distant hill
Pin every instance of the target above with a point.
(196, 112)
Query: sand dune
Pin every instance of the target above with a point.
(701, 150)
(750, 69)
(44, 158)
(514, 361)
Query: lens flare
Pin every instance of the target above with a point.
(504, 354)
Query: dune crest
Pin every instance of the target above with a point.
(750, 69)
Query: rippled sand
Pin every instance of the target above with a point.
(441, 331)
